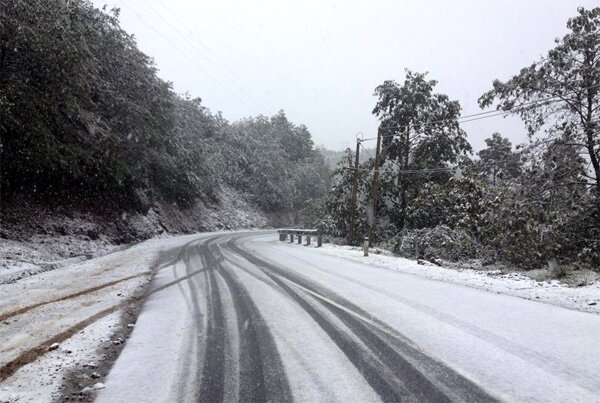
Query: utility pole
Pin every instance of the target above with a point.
(352, 229)
(374, 188)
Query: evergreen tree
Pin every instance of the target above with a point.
(561, 93)
(497, 161)
(420, 130)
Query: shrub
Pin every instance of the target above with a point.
(438, 242)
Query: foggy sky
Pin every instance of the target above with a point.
(321, 60)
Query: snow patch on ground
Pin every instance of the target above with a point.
(43, 252)
(584, 298)
(42, 380)
(43, 307)
(20, 259)
(35, 239)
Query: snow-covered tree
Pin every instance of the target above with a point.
(420, 130)
(561, 93)
(498, 161)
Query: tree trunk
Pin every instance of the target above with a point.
(404, 188)
(2, 61)
(595, 165)
(590, 143)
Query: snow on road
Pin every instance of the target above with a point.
(583, 298)
(78, 307)
(521, 350)
(239, 316)
(158, 351)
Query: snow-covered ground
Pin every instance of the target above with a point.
(326, 316)
(35, 239)
(517, 349)
(77, 306)
(583, 298)
(479, 330)
(42, 380)
(40, 253)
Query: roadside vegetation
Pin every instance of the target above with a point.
(86, 124)
(532, 206)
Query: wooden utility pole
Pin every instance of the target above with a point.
(352, 229)
(374, 189)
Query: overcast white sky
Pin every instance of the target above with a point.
(320, 60)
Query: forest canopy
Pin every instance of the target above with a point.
(84, 117)
(529, 206)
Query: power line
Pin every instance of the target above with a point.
(367, 151)
(193, 45)
(482, 115)
(388, 160)
(167, 41)
(547, 101)
(216, 67)
(403, 171)
(183, 53)
(59, 26)
(261, 67)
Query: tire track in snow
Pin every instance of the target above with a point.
(369, 365)
(32, 354)
(25, 309)
(377, 375)
(380, 379)
(213, 374)
(261, 373)
(552, 364)
(388, 371)
(191, 362)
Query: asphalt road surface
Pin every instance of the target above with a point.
(243, 317)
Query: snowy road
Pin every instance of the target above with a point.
(242, 316)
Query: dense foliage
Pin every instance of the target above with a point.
(419, 130)
(560, 95)
(79, 104)
(528, 207)
(84, 118)
(497, 162)
(273, 161)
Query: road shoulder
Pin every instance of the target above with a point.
(583, 298)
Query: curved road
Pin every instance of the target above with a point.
(242, 317)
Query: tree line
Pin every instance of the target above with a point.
(529, 206)
(85, 120)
